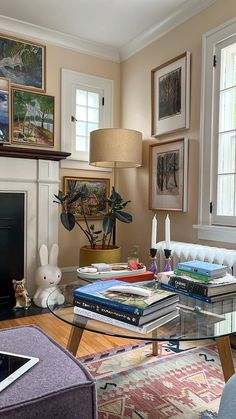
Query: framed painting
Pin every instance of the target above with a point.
(23, 63)
(168, 177)
(32, 118)
(170, 92)
(98, 192)
(5, 105)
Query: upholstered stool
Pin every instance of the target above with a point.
(58, 386)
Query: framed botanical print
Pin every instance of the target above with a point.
(168, 178)
(96, 200)
(170, 84)
(5, 106)
(32, 118)
(23, 62)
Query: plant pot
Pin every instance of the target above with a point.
(88, 256)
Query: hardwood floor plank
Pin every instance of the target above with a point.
(90, 343)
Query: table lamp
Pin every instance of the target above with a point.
(115, 148)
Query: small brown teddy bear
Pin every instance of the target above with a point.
(21, 295)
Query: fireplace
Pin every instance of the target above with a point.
(29, 178)
(11, 242)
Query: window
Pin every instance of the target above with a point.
(86, 106)
(218, 136)
(224, 134)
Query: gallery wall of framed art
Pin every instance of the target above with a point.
(27, 114)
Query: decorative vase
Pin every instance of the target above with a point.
(112, 254)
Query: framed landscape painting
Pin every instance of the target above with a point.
(32, 118)
(23, 63)
(170, 90)
(168, 176)
(5, 103)
(98, 192)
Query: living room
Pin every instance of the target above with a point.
(125, 62)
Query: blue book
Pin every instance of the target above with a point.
(136, 298)
(210, 269)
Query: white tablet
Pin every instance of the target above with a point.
(12, 366)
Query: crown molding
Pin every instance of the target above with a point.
(27, 30)
(175, 19)
(10, 26)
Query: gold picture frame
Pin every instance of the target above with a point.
(33, 118)
(23, 62)
(99, 191)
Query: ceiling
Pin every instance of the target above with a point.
(113, 23)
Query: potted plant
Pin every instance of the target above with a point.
(100, 248)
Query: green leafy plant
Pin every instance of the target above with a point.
(115, 212)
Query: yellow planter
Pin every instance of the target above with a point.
(99, 255)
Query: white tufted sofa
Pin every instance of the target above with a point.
(181, 251)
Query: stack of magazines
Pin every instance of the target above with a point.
(137, 307)
(201, 280)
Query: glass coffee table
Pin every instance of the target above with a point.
(189, 325)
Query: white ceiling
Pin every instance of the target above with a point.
(116, 24)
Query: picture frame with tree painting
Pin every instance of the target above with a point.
(32, 118)
(170, 93)
(168, 178)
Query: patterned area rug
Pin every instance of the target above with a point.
(185, 381)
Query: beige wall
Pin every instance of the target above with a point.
(136, 114)
(57, 58)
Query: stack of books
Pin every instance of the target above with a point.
(205, 281)
(137, 307)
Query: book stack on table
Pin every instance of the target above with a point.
(138, 307)
(205, 281)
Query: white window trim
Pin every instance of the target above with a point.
(69, 79)
(206, 231)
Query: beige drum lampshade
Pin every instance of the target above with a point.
(115, 147)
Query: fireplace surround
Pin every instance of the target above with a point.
(34, 174)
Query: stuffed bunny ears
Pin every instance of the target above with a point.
(52, 258)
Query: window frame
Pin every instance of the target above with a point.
(70, 80)
(206, 229)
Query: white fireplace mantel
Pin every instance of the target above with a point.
(39, 181)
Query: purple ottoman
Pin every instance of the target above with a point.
(58, 386)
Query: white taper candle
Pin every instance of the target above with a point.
(167, 232)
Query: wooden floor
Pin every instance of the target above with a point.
(91, 342)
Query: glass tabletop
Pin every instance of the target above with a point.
(192, 322)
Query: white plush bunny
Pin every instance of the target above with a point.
(47, 276)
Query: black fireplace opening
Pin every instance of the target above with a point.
(11, 243)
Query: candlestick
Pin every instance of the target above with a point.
(167, 264)
(153, 265)
(167, 232)
(154, 232)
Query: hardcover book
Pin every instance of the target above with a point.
(205, 268)
(124, 316)
(214, 287)
(146, 328)
(195, 275)
(135, 298)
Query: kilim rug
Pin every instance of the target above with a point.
(185, 381)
